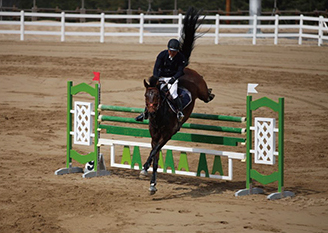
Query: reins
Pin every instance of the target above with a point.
(166, 94)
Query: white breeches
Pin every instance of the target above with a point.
(173, 88)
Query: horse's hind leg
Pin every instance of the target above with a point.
(147, 164)
(204, 93)
(210, 95)
(144, 171)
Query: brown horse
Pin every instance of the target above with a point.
(163, 122)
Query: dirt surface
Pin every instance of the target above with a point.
(33, 77)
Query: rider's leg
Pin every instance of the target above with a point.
(177, 100)
(178, 103)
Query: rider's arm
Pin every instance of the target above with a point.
(181, 66)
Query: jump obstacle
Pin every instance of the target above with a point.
(88, 123)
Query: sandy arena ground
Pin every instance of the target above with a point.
(33, 76)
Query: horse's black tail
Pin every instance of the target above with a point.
(188, 34)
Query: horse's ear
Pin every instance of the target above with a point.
(146, 84)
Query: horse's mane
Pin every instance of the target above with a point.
(188, 34)
(153, 81)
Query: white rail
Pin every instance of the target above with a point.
(230, 155)
(214, 26)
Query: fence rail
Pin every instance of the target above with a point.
(252, 27)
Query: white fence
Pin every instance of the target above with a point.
(311, 28)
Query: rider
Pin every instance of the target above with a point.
(169, 67)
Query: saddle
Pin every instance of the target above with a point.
(183, 94)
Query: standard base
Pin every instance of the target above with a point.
(272, 196)
(64, 171)
(244, 192)
(91, 174)
(275, 196)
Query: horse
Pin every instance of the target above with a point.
(163, 121)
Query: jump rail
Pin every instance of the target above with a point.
(186, 137)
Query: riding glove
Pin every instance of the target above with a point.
(172, 80)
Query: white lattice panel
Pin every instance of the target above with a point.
(265, 140)
(83, 123)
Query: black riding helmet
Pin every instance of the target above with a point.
(173, 45)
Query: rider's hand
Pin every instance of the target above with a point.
(172, 80)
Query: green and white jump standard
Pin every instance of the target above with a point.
(85, 115)
(264, 147)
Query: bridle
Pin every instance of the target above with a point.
(161, 101)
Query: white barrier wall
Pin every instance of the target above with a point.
(274, 27)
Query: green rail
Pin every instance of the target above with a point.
(186, 137)
(218, 117)
(193, 115)
(185, 125)
(119, 108)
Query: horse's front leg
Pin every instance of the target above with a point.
(155, 155)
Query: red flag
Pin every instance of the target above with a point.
(96, 77)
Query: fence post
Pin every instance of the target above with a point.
(254, 29)
(179, 25)
(34, 10)
(62, 39)
(276, 29)
(217, 25)
(141, 28)
(22, 26)
(301, 30)
(320, 33)
(102, 27)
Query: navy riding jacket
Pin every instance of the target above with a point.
(167, 67)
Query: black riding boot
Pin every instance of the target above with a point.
(179, 108)
(142, 116)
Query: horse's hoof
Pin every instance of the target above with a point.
(143, 173)
(152, 189)
(210, 97)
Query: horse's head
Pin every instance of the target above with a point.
(152, 97)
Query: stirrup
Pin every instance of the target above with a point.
(141, 117)
(180, 116)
